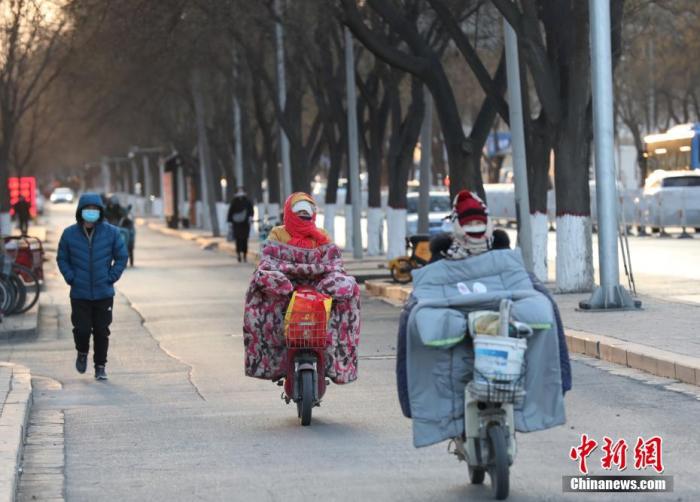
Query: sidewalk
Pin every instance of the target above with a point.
(24, 325)
(15, 403)
(370, 267)
(661, 339)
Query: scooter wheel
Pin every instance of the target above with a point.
(476, 475)
(499, 470)
(401, 272)
(307, 397)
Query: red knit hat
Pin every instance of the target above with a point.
(471, 212)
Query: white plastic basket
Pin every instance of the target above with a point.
(494, 355)
(498, 368)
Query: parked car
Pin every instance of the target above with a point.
(440, 208)
(62, 194)
(672, 198)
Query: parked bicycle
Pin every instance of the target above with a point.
(19, 287)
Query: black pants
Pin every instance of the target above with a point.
(92, 317)
(23, 226)
(241, 231)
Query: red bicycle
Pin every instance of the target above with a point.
(306, 336)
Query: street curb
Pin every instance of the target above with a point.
(13, 426)
(658, 362)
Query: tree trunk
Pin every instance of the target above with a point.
(538, 158)
(4, 175)
(539, 146)
(294, 130)
(574, 249)
(5, 222)
(335, 153)
(464, 171)
(439, 168)
(205, 159)
(404, 138)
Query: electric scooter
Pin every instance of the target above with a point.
(306, 336)
(489, 444)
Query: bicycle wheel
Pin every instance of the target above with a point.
(31, 285)
(401, 273)
(20, 294)
(7, 295)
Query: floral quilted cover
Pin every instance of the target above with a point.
(281, 268)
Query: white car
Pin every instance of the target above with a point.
(62, 194)
(672, 198)
(440, 208)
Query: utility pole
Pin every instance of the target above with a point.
(426, 139)
(651, 104)
(282, 99)
(517, 132)
(353, 147)
(209, 209)
(610, 295)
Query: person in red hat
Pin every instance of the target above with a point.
(471, 229)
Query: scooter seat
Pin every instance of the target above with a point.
(415, 239)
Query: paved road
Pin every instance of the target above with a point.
(179, 421)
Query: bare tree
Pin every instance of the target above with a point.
(32, 46)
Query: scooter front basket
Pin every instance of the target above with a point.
(306, 330)
(497, 388)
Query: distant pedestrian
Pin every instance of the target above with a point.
(240, 213)
(22, 213)
(91, 258)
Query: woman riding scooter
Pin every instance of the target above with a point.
(297, 254)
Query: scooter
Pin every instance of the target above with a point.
(400, 267)
(488, 444)
(306, 336)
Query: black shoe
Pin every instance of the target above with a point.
(81, 362)
(100, 373)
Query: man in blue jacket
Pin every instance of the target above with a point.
(91, 258)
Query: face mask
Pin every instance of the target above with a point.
(90, 215)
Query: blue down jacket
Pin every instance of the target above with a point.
(91, 266)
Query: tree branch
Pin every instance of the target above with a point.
(378, 44)
(471, 57)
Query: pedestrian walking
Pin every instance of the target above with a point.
(21, 208)
(240, 213)
(91, 258)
